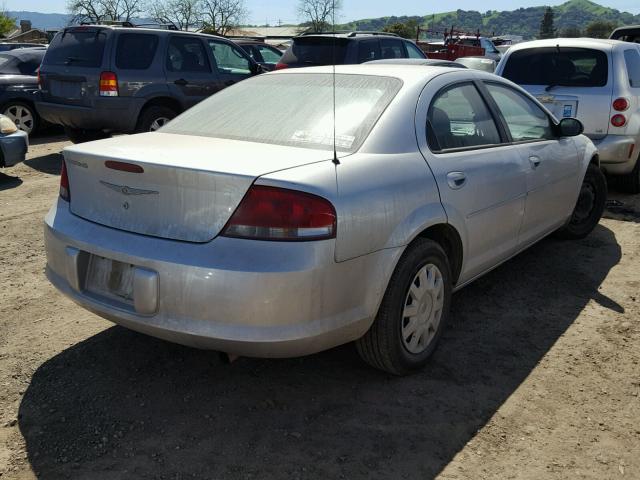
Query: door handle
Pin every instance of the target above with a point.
(456, 180)
(535, 161)
(182, 82)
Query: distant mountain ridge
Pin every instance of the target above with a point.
(43, 21)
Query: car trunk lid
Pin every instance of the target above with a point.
(185, 188)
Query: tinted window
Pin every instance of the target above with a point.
(8, 64)
(413, 51)
(229, 59)
(459, 118)
(187, 55)
(79, 48)
(368, 50)
(632, 59)
(29, 67)
(269, 54)
(316, 51)
(295, 109)
(391, 48)
(525, 120)
(136, 51)
(571, 67)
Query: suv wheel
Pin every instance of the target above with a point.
(154, 117)
(630, 183)
(23, 115)
(413, 311)
(81, 135)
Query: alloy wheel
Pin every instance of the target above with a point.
(21, 116)
(158, 123)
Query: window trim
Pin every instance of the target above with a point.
(206, 56)
(243, 53)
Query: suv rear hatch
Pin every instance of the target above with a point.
(312, 51)
(569, 81)
(71, 68)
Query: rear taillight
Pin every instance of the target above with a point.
(108, 84)
(65, 193)
(281, 66)
(618, 120)
(269, 213)
(39, 79)
(620, 104)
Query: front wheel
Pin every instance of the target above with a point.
(413, 311)
(154, 118)
(589, 207)
(23, 115)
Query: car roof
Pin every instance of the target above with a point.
(144, 29)
(25, 54)
(350, 35)
(425, 62)
(594, 43)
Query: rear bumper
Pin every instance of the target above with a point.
(262, 299)
(14, 148)
(112, 114)
(614, 150)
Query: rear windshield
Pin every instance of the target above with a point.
(78, 48)
(295, 110)
(316, 51)
(569, 67)
(23, 65)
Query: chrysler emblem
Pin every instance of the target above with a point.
(125, 190)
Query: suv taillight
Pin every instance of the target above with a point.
(618, 120)
(281, 66)
(108, 84)
(39, 79)
(65, 193)
(270, 213)
(620, 104)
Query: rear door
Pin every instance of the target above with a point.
(70, 72)
(190, 76)
(569, 81)
(232, 63)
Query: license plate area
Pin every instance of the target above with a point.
(111, 279)
(69, 90)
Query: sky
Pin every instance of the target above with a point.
(271, 11)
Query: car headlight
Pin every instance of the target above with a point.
(7, 126)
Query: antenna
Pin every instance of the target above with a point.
(333, 21)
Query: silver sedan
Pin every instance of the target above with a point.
(237, 227)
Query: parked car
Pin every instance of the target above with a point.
(260, 52)
(96, 80)
(490, 50)
(346, 48)
(18, 85)
(630, 33)
(278, 241)
(596, 81)
(427, 62)
(6, 47)
(14, 143)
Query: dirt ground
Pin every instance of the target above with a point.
(537, 376)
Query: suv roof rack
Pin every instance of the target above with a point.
(246, 37)
(162, 26)
(126, 24)
(351, 34)
(110, 23)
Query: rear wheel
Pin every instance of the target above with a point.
(413, 312)
(630, 183)
(81, 135)
(23, 115)
(155, 117)
(589, 207)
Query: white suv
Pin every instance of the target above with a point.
(596, 81)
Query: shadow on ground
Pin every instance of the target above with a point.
(51, 163)
(8, 181)
(122, 405)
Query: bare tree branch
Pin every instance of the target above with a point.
(319, 13)
(184, 14)
(97, 11)
(221, 16)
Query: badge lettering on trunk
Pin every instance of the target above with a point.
(125, 190)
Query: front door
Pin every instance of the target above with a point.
(480, 176)
(232, 63)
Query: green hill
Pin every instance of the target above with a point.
(523, 21)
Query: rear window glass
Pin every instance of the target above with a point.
(632, 59)
(8, 64)
(569, 67)
(316, 51)
(295, 110)
(78, 48)
(136, 51)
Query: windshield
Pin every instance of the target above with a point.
(81, 47)
(293, 109)
(564, 66)
(316, 51)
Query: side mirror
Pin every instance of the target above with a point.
(570, 127)
(256, 68)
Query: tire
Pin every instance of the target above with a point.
(383, 346)
(23, 115)
(155, 117)
(589, 207)
(630, 183)
(80, 135)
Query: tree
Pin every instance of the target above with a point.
(547, 29)
(221, 16)
(406, 30)
(184, 14)
(7, 23)
(319, 14)
(96, 11)
(571, 32)
(600, 29)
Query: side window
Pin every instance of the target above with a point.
(269, 55)
(229, 59)
(186, 54)
(459, 118)
(368, 50)
(632, 59)
(413, 51)
(136, 51)
(252, 52)
(391, 48)
(525, 120)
